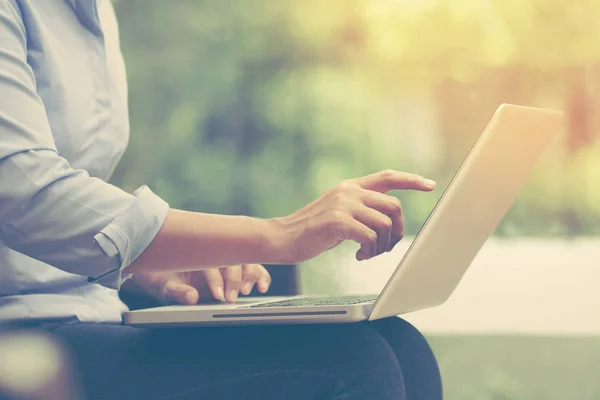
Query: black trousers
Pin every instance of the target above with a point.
(387, 359)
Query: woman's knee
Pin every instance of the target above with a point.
(415, 356)
(398, 331)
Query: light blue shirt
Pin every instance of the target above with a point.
(65, 234)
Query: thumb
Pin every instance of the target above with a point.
(181, 293)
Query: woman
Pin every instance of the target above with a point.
(70, 241)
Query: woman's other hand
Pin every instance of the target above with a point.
(195, 287)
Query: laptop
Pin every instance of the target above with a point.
(467, 214)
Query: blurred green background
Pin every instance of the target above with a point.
(256, 107)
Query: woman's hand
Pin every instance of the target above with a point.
(356, 209)
(205, 285)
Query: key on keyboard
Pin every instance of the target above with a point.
(318, 301)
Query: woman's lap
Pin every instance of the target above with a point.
(386, 359)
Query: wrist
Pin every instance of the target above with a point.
(277, 242)
(141, 291)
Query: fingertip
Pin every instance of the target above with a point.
(232, 296)
(191, 297)
(218, 293)
(429, 184)
(246, 288)
(263, 286)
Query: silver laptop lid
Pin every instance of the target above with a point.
(470, 209)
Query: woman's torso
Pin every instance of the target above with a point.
(73, 51)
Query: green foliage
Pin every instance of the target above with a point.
(518, 368)
(256, 107)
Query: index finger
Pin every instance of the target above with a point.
(387, 180)
(214, 280)
(233, 281)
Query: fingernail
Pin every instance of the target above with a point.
(233, 294)
(430, 183)
(189, 297)
(220, 295)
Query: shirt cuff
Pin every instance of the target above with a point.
(128, 235)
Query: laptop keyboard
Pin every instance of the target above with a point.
(318, 301)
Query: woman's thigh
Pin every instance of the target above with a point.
(350, 361)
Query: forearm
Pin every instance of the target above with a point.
(191, 241)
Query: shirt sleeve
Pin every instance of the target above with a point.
(49, 210)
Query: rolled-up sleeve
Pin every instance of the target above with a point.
(49, 210)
